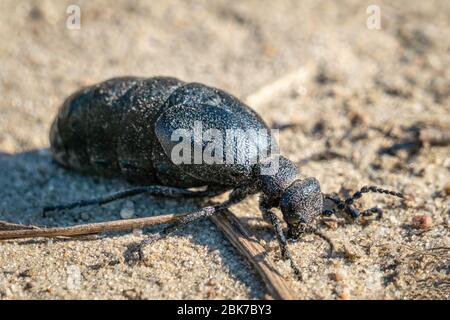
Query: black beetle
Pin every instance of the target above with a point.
(124, 127)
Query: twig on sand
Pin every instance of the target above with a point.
(4, 225)
(228, 223)
(241, 239)
(88, 228)
(280, 86)
(435, 136)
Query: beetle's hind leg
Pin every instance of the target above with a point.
(155, 190)
(236, 196)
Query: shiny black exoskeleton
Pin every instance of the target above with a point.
(124, 127)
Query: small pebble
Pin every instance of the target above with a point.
(447, 189)
(331, 224)
(127, 211)
(344, 295)
(422, 222)
(357, 118)
(211, 282)
(338, 276)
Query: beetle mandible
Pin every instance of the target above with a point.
(123, 127)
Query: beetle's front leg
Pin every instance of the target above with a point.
(295, 232)
(271, 217)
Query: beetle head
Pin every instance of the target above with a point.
(301, 203)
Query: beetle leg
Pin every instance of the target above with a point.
(151, 190)
(236, 196)
(347, 204)
(269, 215)
(328, 212)
(371, 211)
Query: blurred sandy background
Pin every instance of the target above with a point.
(353, 90)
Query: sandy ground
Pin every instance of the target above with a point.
(352, 90)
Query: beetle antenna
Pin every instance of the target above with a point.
(347, 203)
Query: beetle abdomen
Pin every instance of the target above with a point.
(124, 126)
(108, 128)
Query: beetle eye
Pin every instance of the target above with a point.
(302, 201)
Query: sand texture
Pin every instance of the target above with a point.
(361, 100)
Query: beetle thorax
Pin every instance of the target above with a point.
(276, 173)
